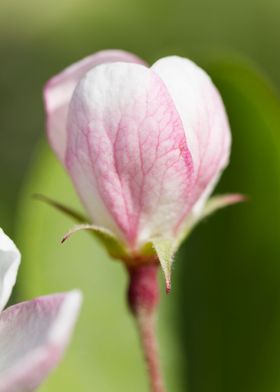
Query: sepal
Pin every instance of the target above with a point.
(165, 248)
(77, 216)
(111, 243)
(214, 204)
(160, 248)
(113, 246)
(165, 251)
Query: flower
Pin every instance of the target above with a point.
(33, 334)
(144, 146)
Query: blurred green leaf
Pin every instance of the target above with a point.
(230, 278)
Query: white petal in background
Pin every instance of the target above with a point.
(9, 263)
(33, 335)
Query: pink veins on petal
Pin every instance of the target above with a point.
(127, 150)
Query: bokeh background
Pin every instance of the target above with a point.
(220, 327)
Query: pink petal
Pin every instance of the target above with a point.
(205, 122)
(58, 92)
(127, 152)
(33, 336)
(9, 263)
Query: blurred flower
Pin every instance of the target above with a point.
(33, 334)
(144, 147)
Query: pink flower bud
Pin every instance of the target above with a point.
(143, 146)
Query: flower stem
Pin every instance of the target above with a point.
(143, 298)
(146, 327)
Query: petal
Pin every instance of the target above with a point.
(9, 263)
(204, 195)
(127, 152)
(205, 122)
(33, 336)
(58, 92)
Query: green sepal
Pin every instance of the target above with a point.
(77, 216)
(214, 204)
(111, 243)
(113, 246)
(165, 248)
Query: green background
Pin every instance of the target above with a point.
(220, 327)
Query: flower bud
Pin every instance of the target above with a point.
(144, 146)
